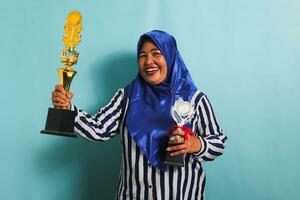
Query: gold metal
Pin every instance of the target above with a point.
(73, 28)
(69, 55)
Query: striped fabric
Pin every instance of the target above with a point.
(138, 179)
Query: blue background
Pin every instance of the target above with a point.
(243, 54)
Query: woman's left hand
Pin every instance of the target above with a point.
(181, 146)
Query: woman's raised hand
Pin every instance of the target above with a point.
(60, 98)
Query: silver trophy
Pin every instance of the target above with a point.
(182, 113)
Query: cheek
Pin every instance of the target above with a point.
(140, 66)
(162, 63)
(142, 71)
(164, 69)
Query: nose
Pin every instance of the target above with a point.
(149, 60)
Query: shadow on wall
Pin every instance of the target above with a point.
(94, 166)
(115, 72)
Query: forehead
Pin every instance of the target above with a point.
(148, 45)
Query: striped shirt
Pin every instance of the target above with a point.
(138, 179)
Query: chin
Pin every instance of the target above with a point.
(153, 82)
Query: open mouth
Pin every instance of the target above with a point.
(151, 70)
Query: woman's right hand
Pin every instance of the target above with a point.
(60, 98)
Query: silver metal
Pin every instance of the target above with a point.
(182, 111)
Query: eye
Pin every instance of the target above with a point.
(142, 55)
(156, 53)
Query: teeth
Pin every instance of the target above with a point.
(151, 69)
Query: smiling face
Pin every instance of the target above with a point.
(152, 64)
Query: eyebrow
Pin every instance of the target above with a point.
(154, 49)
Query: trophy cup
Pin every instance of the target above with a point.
(182, 113)
(61, 121)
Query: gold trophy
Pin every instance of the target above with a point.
(61, 121)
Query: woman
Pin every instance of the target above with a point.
(141, 113)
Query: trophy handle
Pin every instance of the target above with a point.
(66, 76)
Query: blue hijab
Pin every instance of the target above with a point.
(148, 117)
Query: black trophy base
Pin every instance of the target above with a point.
(173, 160)
(60, 122)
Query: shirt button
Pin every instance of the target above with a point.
(149, 164)
(150, 186)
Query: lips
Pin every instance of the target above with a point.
(151, 70)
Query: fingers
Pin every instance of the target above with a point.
(177, 136)
(61, 106)
(176, 139)
(59, 102)
(175, 153)
(60, 98)
(59, 88)
(188, 146)
(178, 149)
(181, 143)
(178, 131)
(70, 95)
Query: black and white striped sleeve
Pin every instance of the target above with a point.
(104, 124)
(209, 132)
